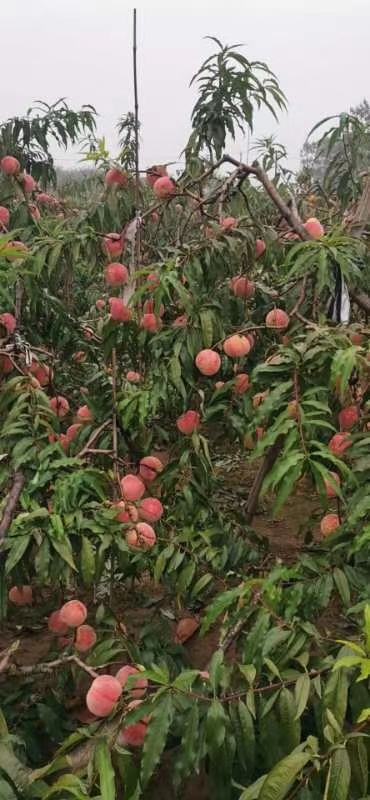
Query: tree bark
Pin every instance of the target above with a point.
(11, 504)
(267, 464)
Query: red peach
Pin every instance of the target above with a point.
(155, 172)
(229, 224)
(115, 177)
(339, 443)
(21, 595)
(126, 512)
(10, 165)
(100, 304)
(242, 287)
(260, 248)
(208, 362)
(133, 735)
(132, 487)
(150, 467)
(133, 377)
(329, 487)
(241, 383)
(56, 625)
(236, 346)
(73, 431)
(142, 537)
(103, 695)
(42, 373)
(85, 638)
(45, 199)
(4, 216)
(151, 323)
(329, 524)
(348, 418)
(151, 509)
(277, 319)
(84, 414)
(164, 188)
(119, 312)
(73, 613)
(314, 228)
(113, 245)
(188, 422)
(138, 686)
(9, 322)
(60, 406)
(29, 183)
(180, 322)
(116, 274)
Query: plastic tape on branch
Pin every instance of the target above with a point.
(339, 308)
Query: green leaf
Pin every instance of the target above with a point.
(282, 777)
(18, 548)
(342, 585)
(6, 792)
(336, 695)
(301, 694)
(201, 584)
(207, 327)
(87, 561)
(105, 769)
(218, 606)
(156, 737)
(290, 725)
(339, 776)
(358, 757)
(64, 549)
(215, 726)
(367, 627)
(249, 739)
(67, 784)
(365, 715)
(253, 791)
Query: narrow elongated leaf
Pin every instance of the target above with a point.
(105, 769)
(339, 776)
(342, 585)
(282, 777)
(253, 791)
(155, 740)
(19, 546)
(87, 561)
(301, 694)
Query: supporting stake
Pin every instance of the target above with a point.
(137, 254)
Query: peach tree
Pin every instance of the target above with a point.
(154, 330)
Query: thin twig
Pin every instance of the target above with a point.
(50, 666)
(94, 436)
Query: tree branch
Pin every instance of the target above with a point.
(11, 504)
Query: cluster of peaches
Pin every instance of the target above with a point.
(105, 690)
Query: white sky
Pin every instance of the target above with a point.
(81, 49)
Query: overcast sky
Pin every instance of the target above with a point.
(81, 49)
